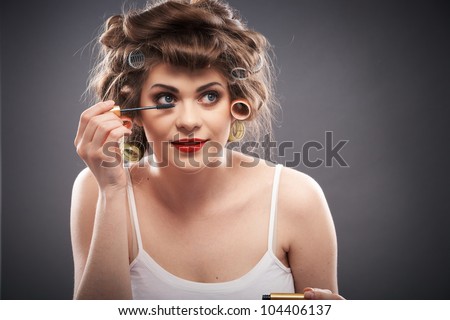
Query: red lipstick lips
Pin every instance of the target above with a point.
(189, 145)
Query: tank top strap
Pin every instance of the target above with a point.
(133, 212)
(273, 209)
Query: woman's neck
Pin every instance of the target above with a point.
(190, 192)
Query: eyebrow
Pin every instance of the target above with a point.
(175, 90)
(206, 86)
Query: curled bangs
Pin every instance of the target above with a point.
(192, 50)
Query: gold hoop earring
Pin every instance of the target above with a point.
(130, 152)
(237, 131)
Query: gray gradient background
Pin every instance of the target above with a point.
(376, 73)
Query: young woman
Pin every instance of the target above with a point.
(185, 217)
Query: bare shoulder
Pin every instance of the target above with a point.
(85, 186)
(300, 194)
(303, 211)
(85, 177)
(84, 195)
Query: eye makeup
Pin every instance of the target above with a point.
(205, 97)
(164, 95)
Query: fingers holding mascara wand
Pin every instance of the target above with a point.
(98, 143)
(100, 134)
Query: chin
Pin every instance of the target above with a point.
(191, 161)
(197, 161)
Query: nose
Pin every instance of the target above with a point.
(188, 118)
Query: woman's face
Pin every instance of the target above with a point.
(189, 134)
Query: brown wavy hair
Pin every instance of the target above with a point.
(193, 34)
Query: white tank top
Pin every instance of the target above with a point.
(150, 281)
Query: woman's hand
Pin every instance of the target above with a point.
(97, 143)
(320, 294)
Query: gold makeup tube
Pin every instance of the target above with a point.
(284, 296)
(116, 111)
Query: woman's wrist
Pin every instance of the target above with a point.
(112, 190)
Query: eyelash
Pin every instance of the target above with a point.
(163, 94)
(202, 96)
(215, 93)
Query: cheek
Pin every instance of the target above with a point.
(156, 128)
(218, 121)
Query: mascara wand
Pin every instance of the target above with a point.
(117, 111)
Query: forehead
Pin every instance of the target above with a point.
(180, 76)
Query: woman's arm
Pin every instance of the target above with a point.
(99, 208)
(312, 251)
(99, 240)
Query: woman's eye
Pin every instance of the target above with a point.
(165, 99)
(209, 97)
